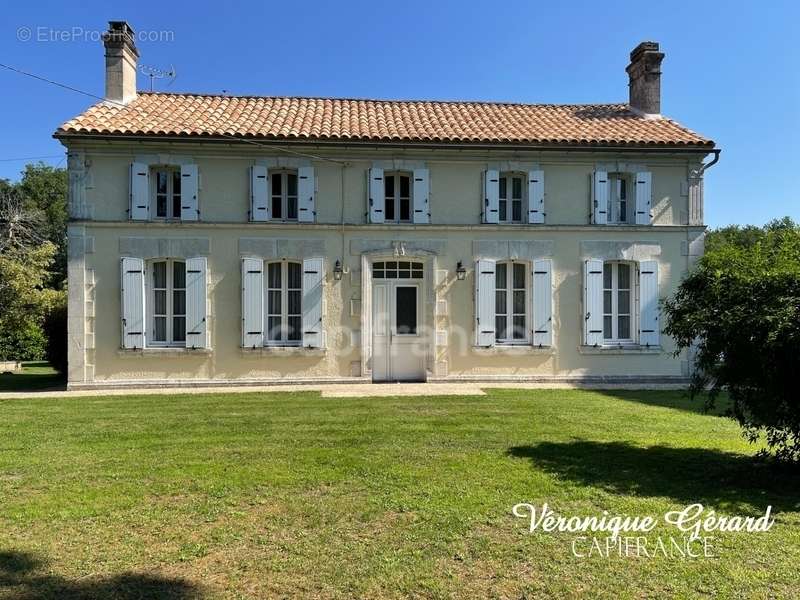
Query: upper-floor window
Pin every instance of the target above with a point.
(397, 198)
(283, 195)
(511, 303)
(617, 302)
(167, 303)
(284, 300)
(620, 201)
(167, 183)
(511, 199)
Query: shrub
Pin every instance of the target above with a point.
(55, 328)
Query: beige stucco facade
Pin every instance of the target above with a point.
(101, 233)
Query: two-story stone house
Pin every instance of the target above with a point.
(219, 239)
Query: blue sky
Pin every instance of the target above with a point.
(730, 70)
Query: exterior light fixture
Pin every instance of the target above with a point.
(461, 272)
(337, 270)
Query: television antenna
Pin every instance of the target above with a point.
(153, 73)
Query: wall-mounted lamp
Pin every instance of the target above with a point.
(337, 270)
(461, 272)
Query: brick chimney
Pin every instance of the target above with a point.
(121, 59)
(645, 79)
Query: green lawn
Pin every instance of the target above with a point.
(276, 495)
(34, 376)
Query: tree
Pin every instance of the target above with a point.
(740, 310)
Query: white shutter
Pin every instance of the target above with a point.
(259, 193)
(312, 302)
(132, 282)
(189, 205)
(593, 302)
(422, 209)
(306, 212)
(139, 192)
(252, 302)
(600, 198)
(484, 302)
(491, 196)
(377, 195)
(196, 294)
(536, 196)
(542, 303)
(649, 328)
(644, 193)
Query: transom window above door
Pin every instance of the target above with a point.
(283, 195)
(167, 183)
(397, 196)
(397, 270)
(511, 200)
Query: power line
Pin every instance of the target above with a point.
(31, 158)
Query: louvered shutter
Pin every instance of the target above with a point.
(259, 193)
(252, 302)
(536, 196)
(196, 294)
(484, 302)
(377, 195)
(421, 192)
(542, 303)
(600, 198)
(139, 192)
(306, 211)
(313, 275)
(491, 196)
(132, 282)
(189, 206)
(644, 193)
(593, 301)
(649, 328)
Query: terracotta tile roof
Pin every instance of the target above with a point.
(332, 119)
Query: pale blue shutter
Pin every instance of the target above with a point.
(377, 195)
(139, 192)
(259, 193)
(306, 212)
(600, 198)
(644, 193)
(484, 302)
(132, 294)
(252, 302)
(649, 328)
(491, 196)
(421, 194)
(593, 302)
(189, 184)
(536, 196)
(313, 277)
(196, 311)
(542, 303)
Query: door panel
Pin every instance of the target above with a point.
(398, 351)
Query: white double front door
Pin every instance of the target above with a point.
(398, 344)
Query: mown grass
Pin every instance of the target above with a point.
(293, 495)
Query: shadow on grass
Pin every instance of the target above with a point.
(35, 376)
(686, 475)
(677, 399)
(22, 577)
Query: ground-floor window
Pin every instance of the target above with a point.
(283, 307)
(618, 302)
(167, 300)
(511, 301)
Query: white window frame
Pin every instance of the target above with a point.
(284, 195)
(169, 342)
(619, 182)
(509, 308)
(396, 198)
(633, 302)
(284, 309)
(171, 170)
(507, 178)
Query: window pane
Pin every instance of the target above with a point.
(500, 276)
(291, 207)
(516, 188)
(624, 275)
(516, 210)
(160, 275)
(624, 328)
(519, 302)
(406, 310)
(378, 274)
(277, 208)
(405, 209)
(623, 189)
(519, 327)
(161, 182)
(161, 205)
(274, 329)
(416, 272)
(503, 210)
(179, 302)
(388, 209)
(405, 185)
(500, 304)
(607, 275)
(503, 187)
(391, 270)
(274, 275)
(295, 329)
(294, 275)
(179, 329)
(624, 302)
(519, 275)
(293, 300)
(277, 184)
(388, 186)
(500, 327)
(607, 301)
(160, 302)
(291, 181)
(176, 183)
(160, 334)
(179, 275)
(274, 302)
(607, 327)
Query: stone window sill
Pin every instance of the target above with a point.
(514, 349)
(620, 349)
(282, 351)
(165, 352)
